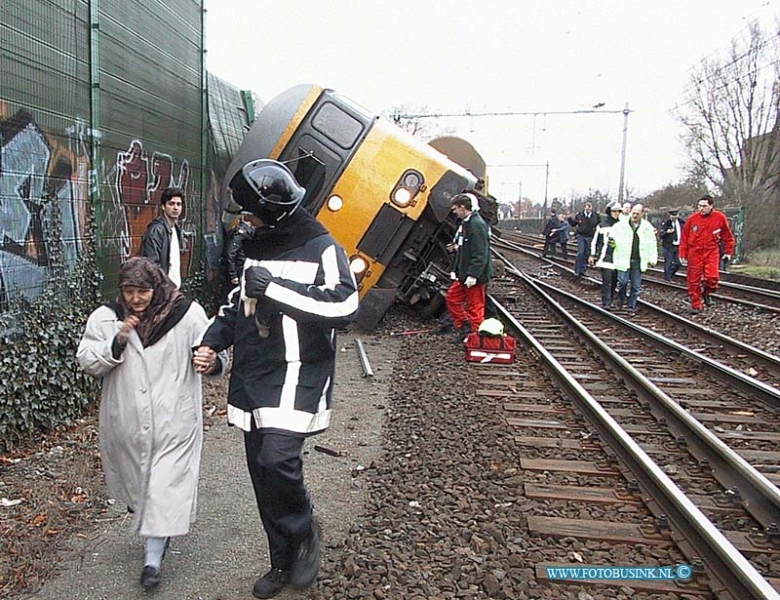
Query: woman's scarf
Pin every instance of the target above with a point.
(167, 307)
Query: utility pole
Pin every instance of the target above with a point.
(546, 176)
(546, 181)
(623, 155)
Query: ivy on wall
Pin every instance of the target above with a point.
(42, 384)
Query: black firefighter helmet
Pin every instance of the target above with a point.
(267, 189)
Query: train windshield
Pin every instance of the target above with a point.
(358, 108)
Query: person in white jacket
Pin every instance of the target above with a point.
(151, 430)
(601, 250)
(636, 249)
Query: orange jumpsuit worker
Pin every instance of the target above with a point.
(699, 246)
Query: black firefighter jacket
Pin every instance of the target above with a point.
(284, 381)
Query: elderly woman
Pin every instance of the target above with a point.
(150, 414)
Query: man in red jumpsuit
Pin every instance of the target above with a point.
(465, 297)
(699, 246)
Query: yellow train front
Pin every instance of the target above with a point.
(383, 194)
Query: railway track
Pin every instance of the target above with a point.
(696, 449)
(646, 442)
(693, 338)
(724, 329)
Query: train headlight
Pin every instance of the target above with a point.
(407, 187)
(358, 265)
(335, 203)
(402, 197)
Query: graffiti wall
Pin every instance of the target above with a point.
(43, 192)
(44, 202)
(101, 109)
(138, 185)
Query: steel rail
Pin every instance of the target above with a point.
(761, 497)
(770, 361)
(758, 292)
(722, 559)
(767, 394)
(364, 363)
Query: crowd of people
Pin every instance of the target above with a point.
(623, 244)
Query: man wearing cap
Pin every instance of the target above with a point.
(296, 289)
(699, 245)
(670, 234)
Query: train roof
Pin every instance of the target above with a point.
(461, 152)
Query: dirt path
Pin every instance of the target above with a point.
(226, 550)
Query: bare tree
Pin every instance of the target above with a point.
(731, 115)
(411, 119)
(676, 195)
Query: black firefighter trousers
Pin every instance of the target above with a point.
(276, 468)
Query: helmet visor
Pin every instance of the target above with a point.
(244, 194)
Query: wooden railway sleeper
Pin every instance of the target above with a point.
(769, 537)
(725, 562)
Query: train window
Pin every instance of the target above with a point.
(351, 104)
(310, 173)
(339, 127)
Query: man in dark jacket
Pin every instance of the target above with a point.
(585, 223)
(233, 254)
(162, 241)
(550, 235)
(296, 290)
(465, 297)
(670, 234)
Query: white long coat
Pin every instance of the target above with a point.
(151, 430)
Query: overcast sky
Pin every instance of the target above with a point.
(508, 56)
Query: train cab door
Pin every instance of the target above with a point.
(313, 165)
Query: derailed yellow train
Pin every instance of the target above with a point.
(383, 194)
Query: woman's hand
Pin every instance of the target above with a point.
(125, 327)
(204, 360)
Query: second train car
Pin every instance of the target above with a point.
(383, 194)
